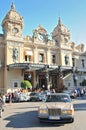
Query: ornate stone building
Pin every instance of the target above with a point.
(38, 58)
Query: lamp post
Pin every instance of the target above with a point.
(60, 75)
(47, 75)
(29, 74)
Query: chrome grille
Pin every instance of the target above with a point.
(54, 112)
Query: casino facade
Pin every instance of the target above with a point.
(38, 58)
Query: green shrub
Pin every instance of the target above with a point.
(25, 84)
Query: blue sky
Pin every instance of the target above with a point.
(47, 12)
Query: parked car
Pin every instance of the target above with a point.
(42, 96)
(7, 99)
(34, 96)
(23, 97)
(57, 108)
(71, 93)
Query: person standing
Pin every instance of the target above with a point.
(43, 87)
(82, 92)
(10, 97)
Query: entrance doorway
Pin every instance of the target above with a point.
(29, 76)
(42, 81)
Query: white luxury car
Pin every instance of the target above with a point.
(57, 108)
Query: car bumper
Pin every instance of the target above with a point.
(60, 120)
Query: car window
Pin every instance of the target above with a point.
(31, 94)
(65, 98)
(58, 98)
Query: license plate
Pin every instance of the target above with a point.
(54, 117)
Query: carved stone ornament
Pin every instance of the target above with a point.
(15, 53)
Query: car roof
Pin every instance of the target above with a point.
(59, 94)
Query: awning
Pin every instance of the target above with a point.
(30, 66)
(28, 53)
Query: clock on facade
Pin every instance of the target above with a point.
(40, 37)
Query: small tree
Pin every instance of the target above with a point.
(25, 84)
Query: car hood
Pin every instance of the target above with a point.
(60, 105)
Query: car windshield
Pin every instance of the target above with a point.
(58, 98)
(32, 94)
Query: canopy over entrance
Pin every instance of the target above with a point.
(32, 66)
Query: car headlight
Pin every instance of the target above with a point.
(43, 111)
(67, 112)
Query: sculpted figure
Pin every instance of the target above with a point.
(15, 53)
